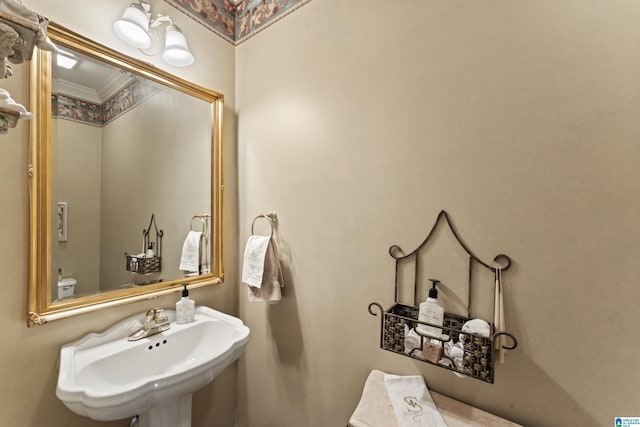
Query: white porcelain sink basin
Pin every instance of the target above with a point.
(106, 377)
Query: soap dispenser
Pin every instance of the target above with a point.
(150, 253)
(185, 308)
(431, 312)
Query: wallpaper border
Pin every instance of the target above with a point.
(77, 110)
(236, 24)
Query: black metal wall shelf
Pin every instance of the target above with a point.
(478, 359)
(141, 263)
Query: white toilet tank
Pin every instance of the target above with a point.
(66, 287)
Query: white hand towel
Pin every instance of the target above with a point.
(412, 402)
(190, 259)
(253, 262)
(272, 279)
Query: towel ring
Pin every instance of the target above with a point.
(271, 217)
(204, 219)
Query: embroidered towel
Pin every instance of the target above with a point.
(190, 259)
(412, 402)
(272, 280)
(253, 261)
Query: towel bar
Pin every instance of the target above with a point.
(272, 217)
(204, 219)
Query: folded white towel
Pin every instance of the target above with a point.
(411, 401)
(272, 280)
(190, 259)
(253, 261)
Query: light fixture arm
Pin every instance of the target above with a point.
(159, 20)
(154, 34)
(146, 7)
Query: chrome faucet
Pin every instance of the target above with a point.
(153, 324)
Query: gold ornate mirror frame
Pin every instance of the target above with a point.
(41, 309)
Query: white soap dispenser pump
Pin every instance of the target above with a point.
(185, 308)
(431, 312)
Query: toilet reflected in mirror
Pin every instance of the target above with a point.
(66, 288)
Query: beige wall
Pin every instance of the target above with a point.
(28, 357)
(76, 158)
(360, 120)
(149, 167)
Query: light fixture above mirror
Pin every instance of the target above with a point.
(137, 29)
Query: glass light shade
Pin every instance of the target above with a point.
(176, 52)
(133, 27)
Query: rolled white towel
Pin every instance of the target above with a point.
(453, 352)
(477, 327)
(411, 341)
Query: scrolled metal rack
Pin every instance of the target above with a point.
(142, 264)
(478, 359)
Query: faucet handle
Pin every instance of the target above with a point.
(153, 314)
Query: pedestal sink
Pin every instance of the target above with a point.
(105, 377)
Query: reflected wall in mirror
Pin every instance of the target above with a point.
(125, 176)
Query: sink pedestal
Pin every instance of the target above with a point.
(174, 414)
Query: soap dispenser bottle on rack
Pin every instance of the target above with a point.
(431, 312)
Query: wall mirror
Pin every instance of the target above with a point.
(125, 180)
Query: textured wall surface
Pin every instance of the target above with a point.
(359, 121)
(28, 357)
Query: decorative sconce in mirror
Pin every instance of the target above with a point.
(115, 141)
(137, 29)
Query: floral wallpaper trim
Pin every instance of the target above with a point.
(236, 24)
(78, 110)
(126, 99)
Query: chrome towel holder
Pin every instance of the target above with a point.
(272, 217)
(204, 219)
